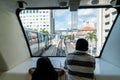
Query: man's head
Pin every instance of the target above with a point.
(82, 44)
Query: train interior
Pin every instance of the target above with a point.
(16, 57)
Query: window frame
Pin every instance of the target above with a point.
(80, 7)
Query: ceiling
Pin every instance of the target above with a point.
(55, 3)
(73, 4)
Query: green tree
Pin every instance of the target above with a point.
(44, 31)
(68, 36)
(91, 36)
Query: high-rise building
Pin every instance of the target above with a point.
(38, 20)
(74, 20)
(109, 15)
(105, 18)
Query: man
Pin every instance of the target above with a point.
(79, 64)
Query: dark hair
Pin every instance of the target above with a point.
(82, 44)
(44, 70)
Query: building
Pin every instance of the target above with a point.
(83, 33)
(85, 29)
(38, 20)
(109, 15)
(105, 18)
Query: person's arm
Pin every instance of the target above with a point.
(60, 71)
(31, 70)
(65, 64)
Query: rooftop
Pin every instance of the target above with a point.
(87, 28)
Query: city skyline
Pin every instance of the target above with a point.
(63, 18)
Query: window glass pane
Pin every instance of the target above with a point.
(54, 32)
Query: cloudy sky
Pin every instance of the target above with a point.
(63, 18)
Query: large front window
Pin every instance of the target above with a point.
(53, 32)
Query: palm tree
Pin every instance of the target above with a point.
(91, 36)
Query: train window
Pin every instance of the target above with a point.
(53, 32)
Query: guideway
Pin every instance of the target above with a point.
(59, 48)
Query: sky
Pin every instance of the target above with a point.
(63, 18)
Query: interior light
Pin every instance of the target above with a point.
(22, 4)
(115, 3)
(95, 1)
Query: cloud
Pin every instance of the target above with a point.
(86, 12)
(60, 12)
(63, 18)
(61, 28)
(80, 20)
(61, 25)
(93, 19)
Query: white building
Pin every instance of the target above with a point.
(109, 15)
(37, 20)
(105, 18)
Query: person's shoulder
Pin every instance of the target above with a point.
(72, 53)
(92, 58)
(90, 55)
